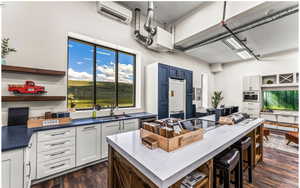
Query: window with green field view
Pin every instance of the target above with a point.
(99, 75)
(281, 100)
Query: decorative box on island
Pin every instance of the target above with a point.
(169, 134)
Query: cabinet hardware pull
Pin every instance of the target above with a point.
(89, 128)
(57, 153)
(123, 125)
(59, 143)
(29, 165)
(57, 166)
(57, 134)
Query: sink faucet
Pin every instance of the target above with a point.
(112, 108)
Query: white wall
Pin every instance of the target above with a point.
(230, 79)
(38, 30)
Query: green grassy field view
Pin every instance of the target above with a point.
(82, 92)
(281, 100)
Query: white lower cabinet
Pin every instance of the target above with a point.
(108, 129)
(55, 151)
(130, 125)
(115, 128)
(12, 168)
(88, 144)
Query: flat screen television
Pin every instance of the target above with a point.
(281, 100)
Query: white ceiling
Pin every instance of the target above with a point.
(164, 11)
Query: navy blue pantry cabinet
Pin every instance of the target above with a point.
(163, 91)
(157, 88)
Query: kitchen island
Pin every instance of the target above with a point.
(131, 163)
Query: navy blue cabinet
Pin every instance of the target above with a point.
(189, 81)
(163, 91)
(177, 73)
(164, 73)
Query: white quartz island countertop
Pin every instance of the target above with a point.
(166, 168)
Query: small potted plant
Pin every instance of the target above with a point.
(5, 50)
(216, 99)
(72, 103)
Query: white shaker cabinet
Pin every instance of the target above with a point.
(12, 172)
(30, 162)
(109, 129)
(130, 125)
(251, 83)
(88, 144)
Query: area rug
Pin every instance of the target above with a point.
(279, 142)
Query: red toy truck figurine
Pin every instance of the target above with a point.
(28, 88)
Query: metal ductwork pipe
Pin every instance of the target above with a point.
(148, 24)
(146, 41)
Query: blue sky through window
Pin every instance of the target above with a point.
(81, 63)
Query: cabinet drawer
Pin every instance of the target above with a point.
(55, 154)
(54, 166)
(268, 117)
(56, 144)
(286, 119)
(55, 134)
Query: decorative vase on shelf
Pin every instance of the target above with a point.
(3, 62)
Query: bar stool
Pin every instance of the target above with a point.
(242, 145)
(226, 162)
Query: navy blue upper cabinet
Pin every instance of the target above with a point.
(176, 73)
(163, 91)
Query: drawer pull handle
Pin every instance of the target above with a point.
(58, 153)
(57, 134)
(59, 143)
(29, 173)
(57, 166)
(89, 128)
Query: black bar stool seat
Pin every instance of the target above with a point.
(226, 162)
(242, 145)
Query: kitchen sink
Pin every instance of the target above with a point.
(114, 117)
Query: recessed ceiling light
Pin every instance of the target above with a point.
(244, 54)
(233, 44)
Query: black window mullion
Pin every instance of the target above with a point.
(117, 78)
(95, 76)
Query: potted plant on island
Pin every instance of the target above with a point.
(5, 50)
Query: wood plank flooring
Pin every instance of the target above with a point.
(279, 170)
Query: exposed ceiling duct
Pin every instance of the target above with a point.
(253, 24)
(145, 40)
(157, 39)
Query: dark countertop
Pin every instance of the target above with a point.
(14, 137)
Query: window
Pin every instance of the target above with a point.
(281, 100)
(99, 75)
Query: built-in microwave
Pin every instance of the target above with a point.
(251, 96)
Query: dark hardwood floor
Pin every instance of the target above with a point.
(279, 170)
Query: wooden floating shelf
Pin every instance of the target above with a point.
(9, 68)
(32, 98)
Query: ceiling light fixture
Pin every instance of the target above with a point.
(233, 44)
(244, 54)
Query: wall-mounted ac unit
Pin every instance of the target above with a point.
(115, 11)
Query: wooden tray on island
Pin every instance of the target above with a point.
(171, 144)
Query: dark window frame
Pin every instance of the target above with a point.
(94, 45)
